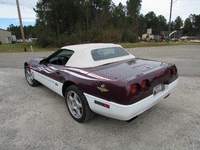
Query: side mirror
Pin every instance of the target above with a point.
(43, 61)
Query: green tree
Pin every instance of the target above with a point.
(118, 16)
(133, 10)
(187, 29)
(57, 16)
(172, 26)
(162, 23)
(142, 24)
(102, 13)
(178, 23)
(15, 30)
(29, 31)
(196, 23)
(152, 22)
(77, 21)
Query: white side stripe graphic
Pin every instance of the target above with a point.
(48, 69)
(89, 74)
(53, 68)
(78, 75)
(78, 70)
(39, 69)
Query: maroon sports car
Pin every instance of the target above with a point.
(103, 79)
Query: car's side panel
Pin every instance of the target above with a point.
(98, 108)
(54, 85)
(52, 71)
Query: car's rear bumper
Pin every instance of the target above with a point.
(127, 112)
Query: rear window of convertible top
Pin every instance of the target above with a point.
(107, 53)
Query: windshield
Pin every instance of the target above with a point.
(107, 53)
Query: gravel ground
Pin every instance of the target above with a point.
(37, 118)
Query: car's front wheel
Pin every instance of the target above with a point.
(29, 77)
(77, 104)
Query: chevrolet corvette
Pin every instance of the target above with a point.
(102, 79)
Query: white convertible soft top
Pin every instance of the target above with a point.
(82, 57)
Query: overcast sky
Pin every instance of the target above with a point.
(182, 8)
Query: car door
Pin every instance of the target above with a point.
(51, 71)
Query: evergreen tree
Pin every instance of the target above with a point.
(187, 27)
(133, 10)
(178, 23)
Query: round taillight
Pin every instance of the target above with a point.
(175, 70)
(135, 89)
(170, 72)
(145, 85)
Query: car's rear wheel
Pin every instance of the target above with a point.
(29, 77)
(77, 104)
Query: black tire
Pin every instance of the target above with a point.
(29, 77)
(77, 104)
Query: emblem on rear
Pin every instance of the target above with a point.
(103, 88)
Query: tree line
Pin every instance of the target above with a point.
(29, 31)
(64, 22)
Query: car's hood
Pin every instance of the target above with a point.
(132, 68)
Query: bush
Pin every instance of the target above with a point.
(85, 37)
(46, 39)
(73, 39)
(61, 41)
(94, 35)
(49, 39)
(133, 38)
(110, 37)
(64, 40)
(129, 36)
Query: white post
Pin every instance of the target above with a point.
(31, 48)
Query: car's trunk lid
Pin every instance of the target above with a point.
(131, 68)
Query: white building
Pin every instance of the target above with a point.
(5, 36)
(148, 35)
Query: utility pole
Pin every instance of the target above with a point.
(21, 26)
(170, 20)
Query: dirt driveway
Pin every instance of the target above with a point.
(37, 118)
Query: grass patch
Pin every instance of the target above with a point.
(19, 47)
(155, 44)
